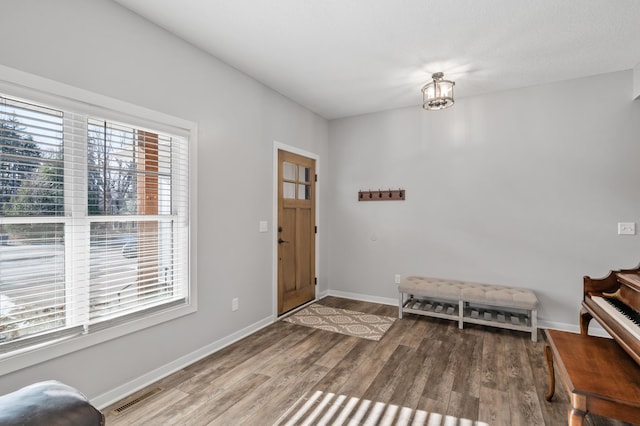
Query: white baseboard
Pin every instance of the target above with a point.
(153, 376)
(594, 328)
(323, 294)
(363, 297)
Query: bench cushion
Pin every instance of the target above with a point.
(487, 294)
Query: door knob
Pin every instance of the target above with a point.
(280, 241)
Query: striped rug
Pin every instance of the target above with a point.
(352, 323)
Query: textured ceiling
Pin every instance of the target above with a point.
(348, 57)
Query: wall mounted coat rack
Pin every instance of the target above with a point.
(382, 195)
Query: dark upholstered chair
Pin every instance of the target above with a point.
(49, 403)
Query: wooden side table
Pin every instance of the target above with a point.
(600, 377)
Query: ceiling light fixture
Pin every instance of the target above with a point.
(437, 94)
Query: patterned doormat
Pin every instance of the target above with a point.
(351, 323)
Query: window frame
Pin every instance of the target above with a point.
(71, 99)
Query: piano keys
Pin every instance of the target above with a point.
(621, 313)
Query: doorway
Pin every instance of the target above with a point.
(296, 230)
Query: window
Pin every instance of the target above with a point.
(94, 222)
(296, 181)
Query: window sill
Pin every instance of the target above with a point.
(14, 361)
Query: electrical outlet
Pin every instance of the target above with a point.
(626, 228)
(234, 304)
(397, 278)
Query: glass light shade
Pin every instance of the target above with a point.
(437, 94)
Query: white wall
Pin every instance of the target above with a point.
(636, 82)
(101, 47)
(521, 188)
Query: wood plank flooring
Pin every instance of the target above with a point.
(424, 371)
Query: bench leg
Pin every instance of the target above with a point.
(548, 354)
(578, 410)
(401, 302)
(534, 325)
(460, 314)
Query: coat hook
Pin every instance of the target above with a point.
(386, 194)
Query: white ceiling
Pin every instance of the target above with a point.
(348, 57)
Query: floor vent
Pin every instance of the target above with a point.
(131, 403)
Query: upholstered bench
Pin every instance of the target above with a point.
(49, 403)
(498, 306)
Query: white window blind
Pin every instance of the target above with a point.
(93, 223)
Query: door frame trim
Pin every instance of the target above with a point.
(279, 146)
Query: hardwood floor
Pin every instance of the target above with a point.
(423, 371)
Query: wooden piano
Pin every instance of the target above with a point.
(614, 301)
(599, 376)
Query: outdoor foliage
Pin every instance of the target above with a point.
(19, 159)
